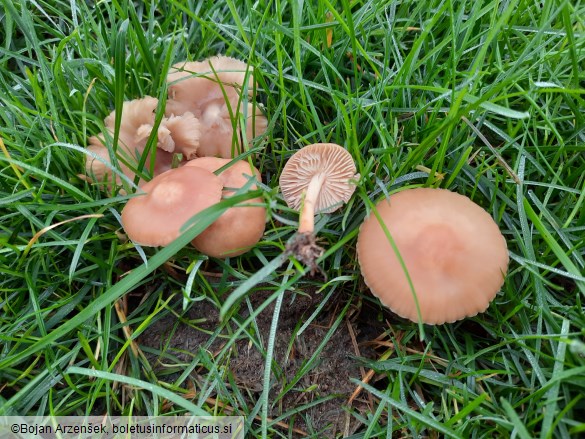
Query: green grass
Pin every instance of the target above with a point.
(485, 98)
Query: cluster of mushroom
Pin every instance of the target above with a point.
(427, 254)
(173, 197)
(201, 120)
(201, 133)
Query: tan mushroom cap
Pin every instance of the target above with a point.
(332, 163)
(98, 172)
(217, 130)
(211, 90)
(453, 250)
(240, 227)
(171, 198)
(193, 85)
(135, 114)
(176, 134)
(179, 134)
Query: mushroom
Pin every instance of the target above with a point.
(316, 179)
(211, 90)
(217, 130)
(178, 134)
(194, 85)
(453, 252)
(240, 227)
(170, 199)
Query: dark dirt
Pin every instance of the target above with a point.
(328, 376)
(304, 247)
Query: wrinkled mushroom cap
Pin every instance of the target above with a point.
(453, 250)
(211, 91)
(171, 198)
(193, 85)
(135, 113)
(328, 159)
(240, 227)
(176, 134)
(217, 130)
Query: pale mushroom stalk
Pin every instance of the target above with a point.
(307, 216)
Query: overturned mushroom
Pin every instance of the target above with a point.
(453, 253)
(212, 91)
(241, 226)
(318, 178)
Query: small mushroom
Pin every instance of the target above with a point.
(452, 249)
(240, 227)
(178, 134)
(211, 90)
(318, 178)
(170, 199)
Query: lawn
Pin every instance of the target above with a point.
(484, 98)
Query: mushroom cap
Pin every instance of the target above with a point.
(175, 134)
(193, 85)
(211, 94)
(185, 130)
(135, 113)
(100, 173)
(217, 130)
(96, 170)
(240, 227)
(453, 250)
(328, 159)
(171, 198)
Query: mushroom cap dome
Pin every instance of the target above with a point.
(453, 251)
(171, 199)
(333, 162)
(240, 227)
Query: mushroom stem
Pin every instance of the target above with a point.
(307, 215)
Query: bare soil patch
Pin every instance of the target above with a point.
(318, 400)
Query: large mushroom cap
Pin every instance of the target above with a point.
(453, 250)
(328, 161)
(171, 198)
(240, 227)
